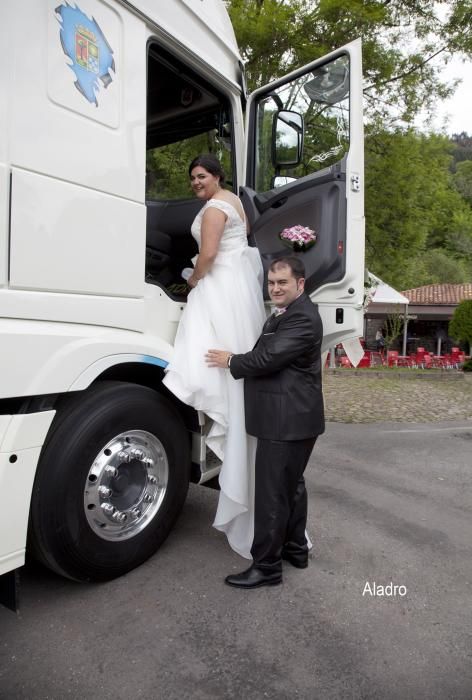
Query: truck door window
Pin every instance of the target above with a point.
(321, 97)
(186, 116)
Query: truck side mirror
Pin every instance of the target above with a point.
(280, 181)
(287, 139)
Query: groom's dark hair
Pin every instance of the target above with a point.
(295, 264)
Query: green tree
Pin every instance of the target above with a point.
(393, 326)
(405, 44)
(418, 226)
(462, 179)
(460, 325)
(167, 166)
(437, 266)
(463, 147)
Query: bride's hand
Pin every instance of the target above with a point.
(192, 281)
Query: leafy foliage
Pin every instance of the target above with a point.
(463, 179)
(167, 166)
(405, 44)
(393, 326)
(418, 225)
(460, 326)
(463, 147)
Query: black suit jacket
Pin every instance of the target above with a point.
(282, 388)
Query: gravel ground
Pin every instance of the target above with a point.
(422, 399)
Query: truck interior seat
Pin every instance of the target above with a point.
(169, 243)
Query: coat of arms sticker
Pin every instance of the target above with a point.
(85, 45)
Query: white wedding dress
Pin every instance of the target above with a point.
(225, 311)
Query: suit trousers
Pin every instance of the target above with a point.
(280, 500)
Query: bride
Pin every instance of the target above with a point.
(225, 309)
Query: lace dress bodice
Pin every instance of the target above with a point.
(234, 236)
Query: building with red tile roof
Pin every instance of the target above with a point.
(431, 308)
(429, 312)
(439, 294)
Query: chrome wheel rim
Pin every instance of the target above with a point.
(125, 485)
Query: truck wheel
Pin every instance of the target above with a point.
(112, 478)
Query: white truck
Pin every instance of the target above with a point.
(102, 105)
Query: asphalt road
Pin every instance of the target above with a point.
(389, 503)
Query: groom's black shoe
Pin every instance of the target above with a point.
(298, 560)
(254, 578)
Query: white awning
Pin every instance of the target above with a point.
(385, 294)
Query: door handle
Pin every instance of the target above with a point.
(264, 203)
(278, 203)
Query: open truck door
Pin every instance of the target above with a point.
(305, 165)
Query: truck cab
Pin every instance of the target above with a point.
(103, 105)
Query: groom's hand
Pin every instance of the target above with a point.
(218, 358)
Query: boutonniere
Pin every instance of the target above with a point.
(298, 238)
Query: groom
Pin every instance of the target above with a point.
(284, 410)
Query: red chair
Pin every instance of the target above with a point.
(365, 359)
(437, 361)
(409, 361)
(345, 362)
(376, 359)
(448, 362)
(420, 357)
(392, 358)
(456, 357)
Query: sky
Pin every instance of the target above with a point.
(459, 107)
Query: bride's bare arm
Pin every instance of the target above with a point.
(213, 224)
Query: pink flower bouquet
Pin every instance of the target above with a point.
(298, 238)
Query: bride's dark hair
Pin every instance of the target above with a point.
(211, 165)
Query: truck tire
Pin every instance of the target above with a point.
(112, 478)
